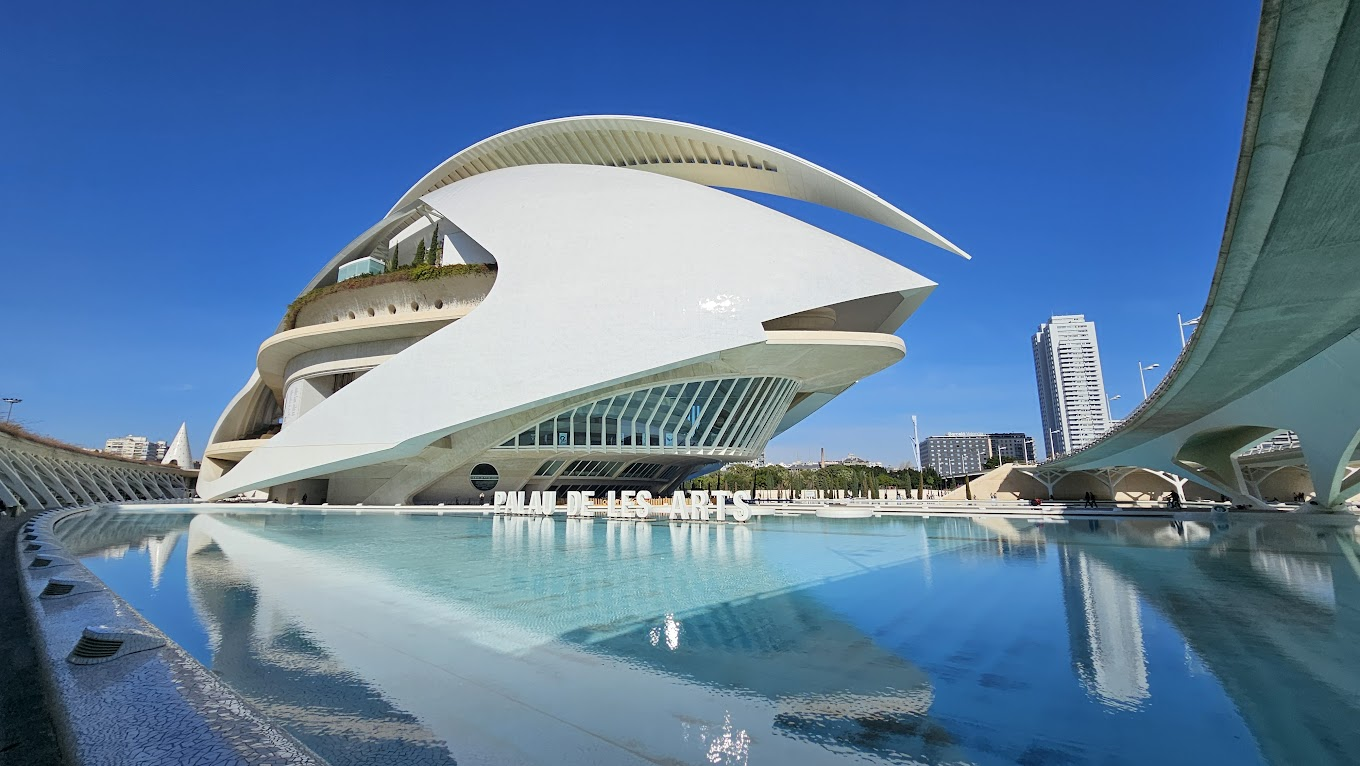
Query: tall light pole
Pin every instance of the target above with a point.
(1109, 399)
(920, 469)
(11, 401)
(1141, 378)
(1053, 442)
(1187, 323)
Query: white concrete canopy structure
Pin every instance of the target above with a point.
(677, 149)
(37, 473)
(1278, 346)
(572, 283)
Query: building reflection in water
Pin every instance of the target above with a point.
(688, 645)
(1270, 609)
(1105, 630)
(415, 639)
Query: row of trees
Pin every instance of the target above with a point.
(426, 255)
(854, 480)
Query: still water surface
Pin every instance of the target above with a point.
(425, 639)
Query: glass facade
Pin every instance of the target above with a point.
(725, 416)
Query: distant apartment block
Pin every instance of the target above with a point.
(955, 454)
(1281, 440)
(1011, 448)
(1072, 400)
(136, 448)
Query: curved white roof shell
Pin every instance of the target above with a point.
(677, 149)
(586, 296)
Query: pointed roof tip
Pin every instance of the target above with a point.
(179, 452)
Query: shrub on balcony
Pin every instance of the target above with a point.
(421, 273)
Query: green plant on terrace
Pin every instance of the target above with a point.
(421, 273)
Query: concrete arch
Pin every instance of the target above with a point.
(677, 149)
(1208, 457)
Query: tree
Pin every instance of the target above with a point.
(396, 258)
(420, 254)
(436, 247)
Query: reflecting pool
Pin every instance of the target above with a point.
(419, 639)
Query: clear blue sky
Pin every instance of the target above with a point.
(174, 172)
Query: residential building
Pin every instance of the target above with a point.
(956, 454)
(1011, 448)
(855, 461)
(445, 388)
(1072, 401)
(136, 448)
(1278, 441)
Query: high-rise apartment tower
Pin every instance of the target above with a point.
(1072, 399)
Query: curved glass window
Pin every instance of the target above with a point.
(719, 416)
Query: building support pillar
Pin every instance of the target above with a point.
(6, 494)
(1045, 476)
(36, 482)
(1328, 448)
(102, 475)
(58, 482)
(74, 481)
(20, 485)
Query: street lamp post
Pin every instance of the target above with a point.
(1141, 378)
(11, 401)
(1184, 324)
(1053, 442)
(920, 467)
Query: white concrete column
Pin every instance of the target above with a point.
(74, 481)
(36, 481)
(20, 485)
(6, 494)
(57, 482)
(101, 475)
(82, 472)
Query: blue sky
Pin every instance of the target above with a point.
(175, 172)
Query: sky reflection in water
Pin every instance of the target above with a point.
(424, 639)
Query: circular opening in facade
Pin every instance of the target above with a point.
(335, 318)
(484, 477)
(391, 309)
(371, 312)
(415, 306)
(439, 304)
(351, 315)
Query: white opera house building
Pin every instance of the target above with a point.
(573, 304)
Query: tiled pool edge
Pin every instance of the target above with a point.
(154, 706)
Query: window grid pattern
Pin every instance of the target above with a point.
(724, 416)
(550, 468)
(592, 468)
(642, 471)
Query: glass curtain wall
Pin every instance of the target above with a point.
(721, 416)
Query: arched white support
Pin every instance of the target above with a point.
(36, 482)
(19, 484)
(1328, 446)
(67, 487)
(1112, 477)
(8, 496)
(101, 477)
(55, 481)
(1047, 477)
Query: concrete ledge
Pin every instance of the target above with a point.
(155, 706)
